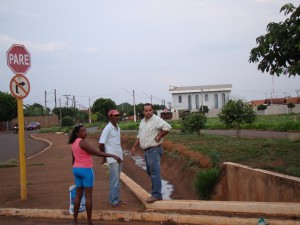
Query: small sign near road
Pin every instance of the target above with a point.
(18, 59)
(19, 86)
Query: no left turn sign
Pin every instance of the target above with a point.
(19, 86)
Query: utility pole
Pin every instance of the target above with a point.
(297, 91)
(59, 111)
(90, 119)
(74, 103)
(67, 97)
(46, 119)
(55, 97)
(134, 112)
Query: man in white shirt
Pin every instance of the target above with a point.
(110, 142)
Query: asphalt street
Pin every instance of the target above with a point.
(9, 145)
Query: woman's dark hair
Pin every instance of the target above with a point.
(73, 134)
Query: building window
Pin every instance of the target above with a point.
(206, 97)
(190, 102)
(179, 99)
(216, 101)
(197, 101)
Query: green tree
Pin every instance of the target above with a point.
(82, 117)
(278, 52)
(291, 105)
(67, 121)
(8, 107)
(139, 108)
(236, 113)
(65, 111)
(194, 122)
(103, 105)
(262, 107)
(125, 108)
(33, 110)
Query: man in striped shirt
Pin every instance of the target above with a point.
(152, 129)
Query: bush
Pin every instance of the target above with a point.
(291, 105)
(194, 122)
(205, 182)
(204, 108)
(261, 107)
(214, 157)
(67, 121)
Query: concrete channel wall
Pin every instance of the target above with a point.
(243, 183)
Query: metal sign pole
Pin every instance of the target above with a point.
(22, 157)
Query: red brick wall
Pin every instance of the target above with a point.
(45, 121)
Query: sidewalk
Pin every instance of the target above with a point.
(49, 175)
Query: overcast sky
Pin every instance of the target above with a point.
(108, 48)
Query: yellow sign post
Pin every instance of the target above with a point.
(22, 157)
(19, 61)
(20, 87)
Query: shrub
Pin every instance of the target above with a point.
(67, 121)
(214, 157)
(237, 113)
(205, 182)
(291, 105)
(194, 122)
(262, 107)
(204, 108)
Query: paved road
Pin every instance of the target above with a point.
(252, 133)
(9, 145)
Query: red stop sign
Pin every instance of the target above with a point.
(18, 59)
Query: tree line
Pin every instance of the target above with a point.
(98, 111)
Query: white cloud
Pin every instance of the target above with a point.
(91, 50)
(51, 46)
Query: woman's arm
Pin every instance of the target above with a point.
(88, 148)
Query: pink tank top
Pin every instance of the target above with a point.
(82, 158)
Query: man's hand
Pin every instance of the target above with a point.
(103, 160)
(117, 158)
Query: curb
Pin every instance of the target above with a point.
(143, 216)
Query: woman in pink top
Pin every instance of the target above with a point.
(83, 172)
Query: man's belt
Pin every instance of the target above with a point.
(146, 149)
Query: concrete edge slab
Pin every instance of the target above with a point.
(274, 209)
(143, 216)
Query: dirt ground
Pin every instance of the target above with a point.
(49, 175)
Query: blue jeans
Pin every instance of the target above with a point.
(114, 182)
(152, 158)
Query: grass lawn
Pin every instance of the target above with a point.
(279, 155)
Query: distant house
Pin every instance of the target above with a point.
(295, 100)
(193, 97)
(276, 101)
(258, 102)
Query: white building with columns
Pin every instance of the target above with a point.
(193, 97)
